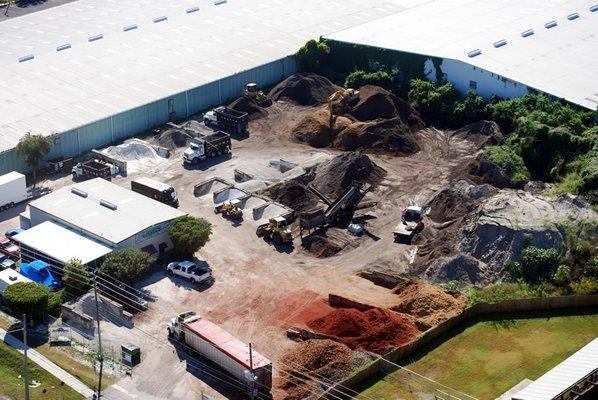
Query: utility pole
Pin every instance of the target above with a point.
(25, 360)
(101, 354)
(252, 373)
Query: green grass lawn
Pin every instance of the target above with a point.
(11, 381)
(486, 359)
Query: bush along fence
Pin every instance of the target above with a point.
(410, 379)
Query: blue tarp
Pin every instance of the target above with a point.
(39, 271)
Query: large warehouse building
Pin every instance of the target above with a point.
(105, 213)
(92, 72)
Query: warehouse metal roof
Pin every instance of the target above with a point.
(74, 64)
(563, 376)
(549, 45)
(105, 209)
(61, 244)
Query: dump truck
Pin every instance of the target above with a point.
(412, 219)
(276, 230)
(248, 367)
(13, 190)
(230, 209)
(229, 120)
(94, 169)
(207, 146)
(155, 190)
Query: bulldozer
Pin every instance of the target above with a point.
(230, 210)
(276, 230)
(339, 100)
(253, 92)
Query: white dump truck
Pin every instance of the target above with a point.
(207, 146)
(13, 190)
(214, 343)
(412, 220)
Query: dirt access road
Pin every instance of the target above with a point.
(260, 291)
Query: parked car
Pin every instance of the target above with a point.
(6, 262)
(9, 248)
(13, 232)
(194, 272)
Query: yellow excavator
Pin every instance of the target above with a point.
(339, 100)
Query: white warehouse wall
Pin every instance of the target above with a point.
(487, 83)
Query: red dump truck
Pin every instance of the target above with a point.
(222, 348)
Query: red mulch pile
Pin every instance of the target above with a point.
(376, 330)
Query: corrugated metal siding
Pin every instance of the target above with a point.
(131, 122)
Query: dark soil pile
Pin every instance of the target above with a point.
(337, 174)
(293, 194)
(248, 106)
(390, 136)
(482, 170)
(315, 129)
(482, 133)
(375, 330)
(321, 246)
(324, 359)
(449, 204)
(374, 103)
(304, 89)
(172, 139)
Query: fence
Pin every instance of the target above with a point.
(385, 364)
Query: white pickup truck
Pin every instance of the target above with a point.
(190, 270)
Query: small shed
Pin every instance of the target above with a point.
(131, 354)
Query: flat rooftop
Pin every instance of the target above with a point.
(559, 58)
(61, 243)
(105, 209)
(563, 376)
(96, 58)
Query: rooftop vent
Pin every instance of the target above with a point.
(474, 53)
(26, 58)
(500, 43)
(192, 10)
(129, 28)
(550, 24)
(160, 19)
(63, 47)
(217, 2)
(527, 33)
(109, 205)
(594, 8)
(573, 16)
(95, 37)
(79, 192)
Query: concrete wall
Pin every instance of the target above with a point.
(128, 123)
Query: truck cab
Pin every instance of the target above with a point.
(175, 325)
(210, 118)
(195, 152)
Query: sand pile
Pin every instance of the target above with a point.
(304, 89)
(293, 194)
(137, 153)
(430, 304)
(314, 129)
(172, 139)
(375, 330)
(247, 105)
(376, 103)
(482, 133)
(335, 175)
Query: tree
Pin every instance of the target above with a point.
(510, 162)
(189, 234)
(76, 278)
(384, 78)
(126, 265)
(312, 56)
(32, 149)
(27, 298)
(471, 109)
(435, 102)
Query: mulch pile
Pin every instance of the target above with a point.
(323, 359)
(250, 107)
(172, 139)
(305, 89)
(320, 245)
(482, 133)
(293, 194)
(376, 330)
(335, 175)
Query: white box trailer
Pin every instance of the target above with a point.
(219, 346)
(13, 189)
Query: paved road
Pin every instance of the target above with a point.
(28, 7)
(48, 365)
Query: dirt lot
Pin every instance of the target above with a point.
(260, 290)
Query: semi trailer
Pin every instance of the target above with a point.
(155, 190)
(13, 190)
(208, 146)
(209, 340)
